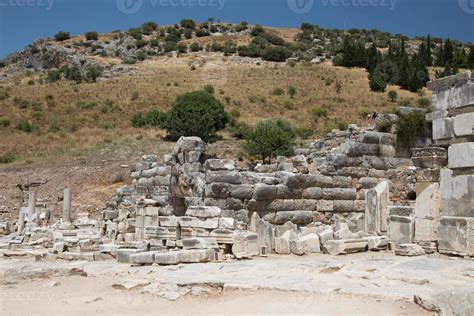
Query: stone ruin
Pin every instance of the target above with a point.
(348, 192)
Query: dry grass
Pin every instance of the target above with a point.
(68, 117)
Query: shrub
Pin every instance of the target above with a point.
(338, 87)
(31, 82)
(7, 158)
(277, 91)
(270, 139)
(94, 72)
(424, 103)
(342, 124)
(4, 122)
(196, 113)
(170, 46)
(276, 53)
(319, 112)
(409, 127)
(4, 95)
(209, 88)
(182, 48)
(392, 95)
(53, 75)
(257, 30)
(195, 47)
(202, 33)
(25, 126)
(187, 23)
(292, 91)
(141, 43)
(149, 27)
(91, 36)
(62, 36)
(385, 127)
(72, 73)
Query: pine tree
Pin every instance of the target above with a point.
(440, 62)
(428, 57)
(448, 52)
(390, 50)
(377, 81)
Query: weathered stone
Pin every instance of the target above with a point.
(376, 211)
(200, 243)
(336, 247)
(312, 193)
(245, 244)
(299, 247)
(217, 190)
(231, 177)
(243, 191)
(454, 97)
(342, 231)
(326, 235)
(338, 194)
(167, 258)
(428, 203)
(356, 149)
(147, 257)
(457, 194)
(123, 255)
(464, 124)
(425, 229)
(196, 255)
(187, 144)
(401, 229)
(456, 235)
(399, 210)
(409, 250)
(209, 223)
(203, 212)
(222, 236)
(169, 221)
(282, 243)
(264, 230)
(376, 243)
(461, 155)
(312, 242)
(443, 128)
(264, 192)
(220, 164)
(227, 223)
(325, 206)
(367, 183)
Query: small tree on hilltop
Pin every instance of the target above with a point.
(196, 113)
(62, 36)
(91, 36)
(270, 139)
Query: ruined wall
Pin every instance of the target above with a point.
(453, 129)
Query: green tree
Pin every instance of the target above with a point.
(377, 82)
(270, 139)
(53, 75)
(91, 36)
(62, 36)
(292, 91)
(470, 57)
(276, 53)
(188, 24)
(392, 95)
(94, 72)
(196, 113)
(72, 73)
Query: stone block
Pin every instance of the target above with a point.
(242, 192)
(428, 203)
(168, 258)
(399, 210)
(457, 194)
(356, 149)
(264, 192)
(264, 230)
(147, 257)
(245, 244)
(299, 247)
(343, 206)
(375, 243)
(325, 206)
(425, 229)
(456, 96)
(338, 194)
(401, 229)
(197, 255)
(312, 193)
(312, 242)
(376, 211)
(217, 190)
(200, 243)
(464, 124)
(461, 155)
(430, 117)
(231, 177)
(220, 164)
(282, 246)
(326, 235)
(203, 212)
(169, 221)
(194, 222)
(227, 223)
(428, 175)
(409, 250)
(123, 254)
(456, 235)
(336, 247)
(342, 231)
(443, 128)
(222, 236)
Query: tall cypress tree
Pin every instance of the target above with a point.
(448, 53)
(428, 57)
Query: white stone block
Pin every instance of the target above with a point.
(428, 203)
(461, 155)
(454, 97)
(464, 124)
(443, 128)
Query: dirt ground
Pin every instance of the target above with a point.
(79, 295)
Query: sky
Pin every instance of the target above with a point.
(24, 21)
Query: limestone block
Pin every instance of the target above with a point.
(456, 96)
(312, 242)
(399, 210)
(429, 117)
(428, 203)
(282, 246)
(339, 194)
(245, 244)
(461, 155)
(203, 212)
(264, 230)
(142, 257)
(456, 235)
(429, 157)
(299, 247)
(457, 194)
(401, 229)
(443, 128)
(231, 177)
(222, 236)
(409, 250)
(243, 191)
(264, 192)
(336, 247)
(200, 243)
(196, 255)
(367, 183)
(326, 235)
(356, 149)
(217, 190)
(187, 144)
(219, 164)
(227, 223)
(168, 221)
(283, 192)
(123, 255)
(343, 206)
(342, 231)
(464, 124)
(425, 229)
(168, 258)
(376, 211)
(312, 193)
(325, 206)
(194, 222)
(376, 243)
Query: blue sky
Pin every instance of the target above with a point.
(23, 21)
